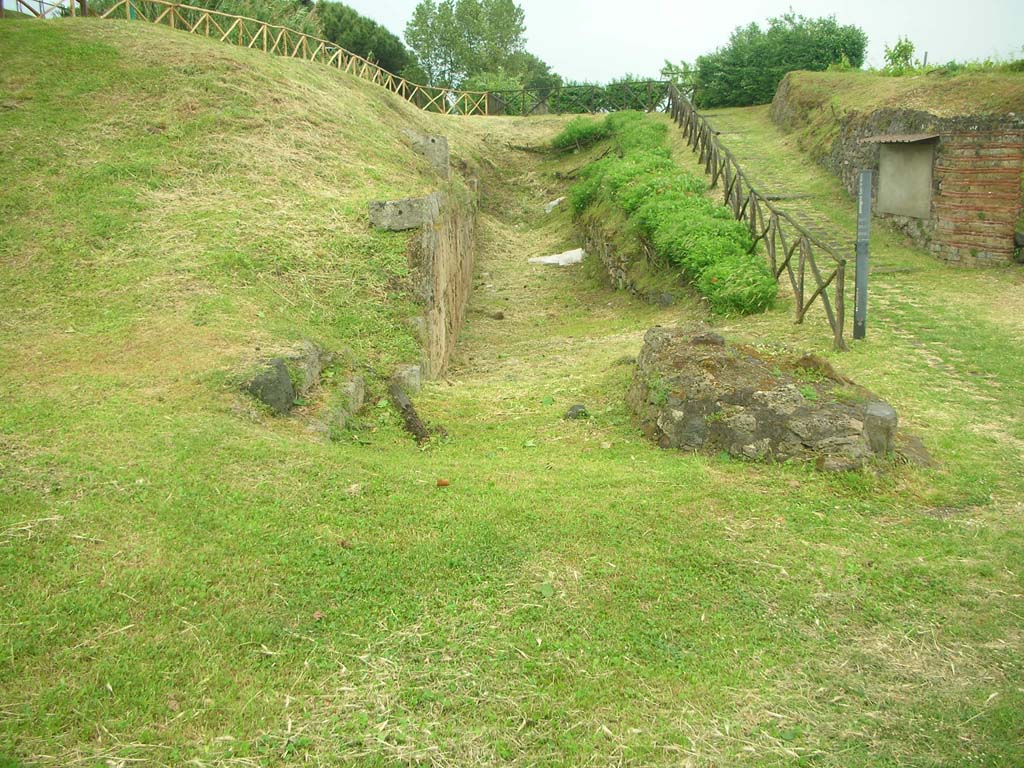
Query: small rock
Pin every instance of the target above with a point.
(709, 338)
(273, 386)
(1018, 239)
(837, 464)
(666, 299)
(553, 204)
(578, 411)
(880, 424)
(912, 451)
(497, 316)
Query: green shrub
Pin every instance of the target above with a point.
(749, 69)
(581, 132)
(738, 284)
(667, 206)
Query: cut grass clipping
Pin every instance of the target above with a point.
(667, 207)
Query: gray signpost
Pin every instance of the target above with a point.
(860, 305)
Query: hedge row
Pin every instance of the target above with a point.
(667, 207)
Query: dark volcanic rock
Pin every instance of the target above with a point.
(273, 386)
(578, 411)
(692, 391)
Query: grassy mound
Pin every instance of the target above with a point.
(171, 201)
(668, 208)
(186, 581)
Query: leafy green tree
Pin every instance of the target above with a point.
(532, 72)
(682, 73)
(363, 36)
(748, 70)
(433, 35)
(454, 39)
(899, 58)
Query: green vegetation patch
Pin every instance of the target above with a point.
(667, 207)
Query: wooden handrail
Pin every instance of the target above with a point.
(783, 237)
(248, 32)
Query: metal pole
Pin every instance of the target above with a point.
(860, 305)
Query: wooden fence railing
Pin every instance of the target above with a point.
(817, 267)
(641, 95)
(284, 41)
(42, 9)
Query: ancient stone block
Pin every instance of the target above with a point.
(272, 385)
(880, 425)
(309, 361)
(434, 148)
(409, 377)
(399, 215)
(693, 391)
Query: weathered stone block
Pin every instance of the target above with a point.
(402, 215)
(434, 148)
(409, 377)
(273, 386)
(309, 362)
(353, 394)
(693, 391)
(880, 425)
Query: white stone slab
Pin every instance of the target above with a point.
(553, 204)
(561, 259)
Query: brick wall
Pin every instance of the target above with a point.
(977, 199)
(978, 195)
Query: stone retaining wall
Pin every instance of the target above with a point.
(621, 264)
(442, 256)
(977, 198)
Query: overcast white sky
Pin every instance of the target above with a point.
(602, 39)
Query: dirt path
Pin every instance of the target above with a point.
(537, 332)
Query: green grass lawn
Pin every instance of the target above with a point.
(185, 580)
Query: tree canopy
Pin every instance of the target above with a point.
(458, 39)
(748, 70)
(363, 36)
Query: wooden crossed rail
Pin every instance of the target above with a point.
(284, 41)
(818, 268)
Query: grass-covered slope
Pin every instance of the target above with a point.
(943, 95)
(170, 202)
(187, 581)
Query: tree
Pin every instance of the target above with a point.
(433, 35)
(898, 58)
(454, 39)
(748, 70)
(682, 73)
(532, 72)
(363, 36)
